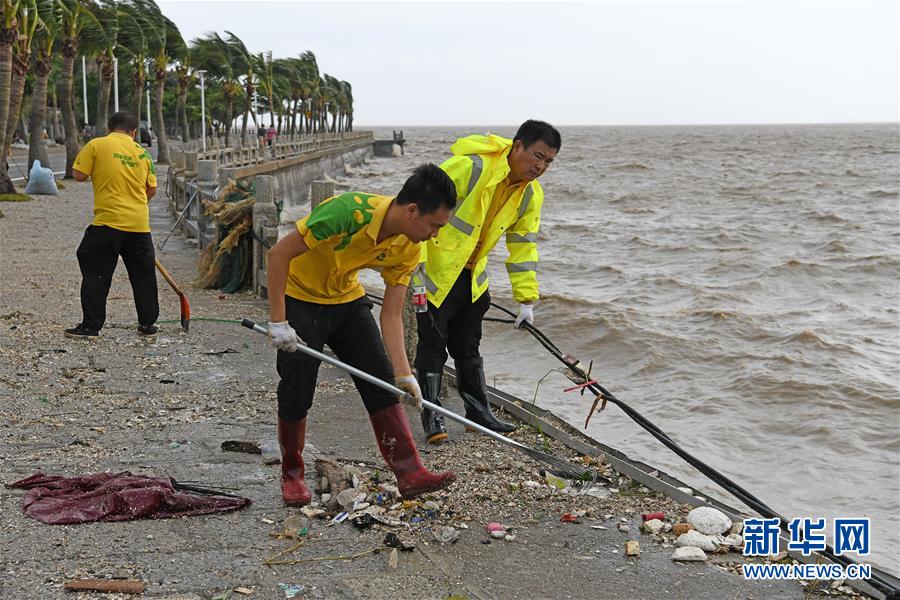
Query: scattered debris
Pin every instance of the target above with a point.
(243, 590)
(696, 539)
(658, 515)
(689, 554)
(240, 446)
(632, 548)
(113, 586)
(446, 534)
(680, 528)
(653, 526)
(708, 520)
(291, 590)
(393, 540)
(569, 518)
(393, 559)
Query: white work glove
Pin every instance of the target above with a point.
(526, 313)
(408, 384)
(283, 336)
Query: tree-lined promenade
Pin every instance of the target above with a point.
(133, 52)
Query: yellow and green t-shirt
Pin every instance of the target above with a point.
(121, 171)
(342, 236)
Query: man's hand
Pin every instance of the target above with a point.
(526, 313)
(408, 384)
(283, 337)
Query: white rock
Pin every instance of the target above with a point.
(708, 520)
(533, 484)
(689, 554)
(737, 527)
(346, 498)
(499, 534)
(624, 527)
(653, 526)
(686, 490)
(694, 539)
(734, 540)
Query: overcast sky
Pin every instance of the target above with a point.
(584, 63)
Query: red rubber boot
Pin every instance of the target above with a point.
(291, 437)
(399, 451)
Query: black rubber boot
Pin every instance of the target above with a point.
(473, 389)
(432, 422)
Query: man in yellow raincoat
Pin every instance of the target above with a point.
(497, 196)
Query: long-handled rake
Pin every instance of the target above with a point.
(558, 466)
(185, 305)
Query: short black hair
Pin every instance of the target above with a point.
(532, 131)
(122, 121)
(429, 188)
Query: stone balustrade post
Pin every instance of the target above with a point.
(265, 220)
(320, 190)
(207, 172)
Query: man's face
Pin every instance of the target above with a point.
(421, 227)
(527, 164)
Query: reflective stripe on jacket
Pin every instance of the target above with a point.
(478, 165)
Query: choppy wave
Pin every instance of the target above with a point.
(749, 289)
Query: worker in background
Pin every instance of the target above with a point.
(497, 196)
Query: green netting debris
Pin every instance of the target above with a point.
(225, 264)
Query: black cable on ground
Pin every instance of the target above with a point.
(876, 581)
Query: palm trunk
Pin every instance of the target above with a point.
(229, 108)
(106, 73)
(181, 106)
(70, 49)
(59, 135)
(162, 141)
(138, 93)
(37, 149)
(17, 89)
(7, 38)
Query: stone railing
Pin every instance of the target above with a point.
(195, 175)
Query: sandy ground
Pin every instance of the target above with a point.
(121, 403)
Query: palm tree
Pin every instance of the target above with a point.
(27, 23)
(133, 25)
(184, 75)
(214, 55)
(45, 38)
(310, 78)
(243, 66)
(162, 36)
(348, 106)
(74, 14)
(99, 39)
(8, 34)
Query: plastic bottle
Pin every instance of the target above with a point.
(271, 452)
(419, 298)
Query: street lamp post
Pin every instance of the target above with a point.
(201, 73)
(116, 83)
(149, 121)
(84, 88)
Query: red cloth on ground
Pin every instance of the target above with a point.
(58, 500)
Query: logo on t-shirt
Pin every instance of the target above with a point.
(126, 160)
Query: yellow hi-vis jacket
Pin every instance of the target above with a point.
(478, 165)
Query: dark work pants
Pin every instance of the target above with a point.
(350, 331)
(455, 327)
(98, 256)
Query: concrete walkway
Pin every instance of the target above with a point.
(119, 403)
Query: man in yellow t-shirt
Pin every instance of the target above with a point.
(314, 290)
(124, 181)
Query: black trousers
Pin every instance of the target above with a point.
(455, 327)
(98, 254)
(350, 331)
